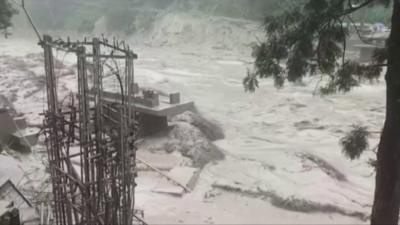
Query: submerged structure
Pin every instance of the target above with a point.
(91, 155)
(15, 133)
(153, 109)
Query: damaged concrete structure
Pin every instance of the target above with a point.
(153, 108)
(15, 133)
(15, 209)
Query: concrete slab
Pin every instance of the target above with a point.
(154, 182)
(27, 137)
(164, 109)
(164, 187)
(161, 161)
(182, 174)
(10, 193)
(159, 184)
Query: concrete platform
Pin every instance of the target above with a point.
(154, 109)
(173, 166)
(23, 140)
(161, 161)
(27, 137)
(164, 109)
(150, 180)
(10, 193)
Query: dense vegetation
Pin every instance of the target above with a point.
(310, 40)
(6, 12)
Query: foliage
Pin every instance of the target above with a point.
(373, 163)
(310, 40)
(355, 142)
(6, 12)
(372, 15)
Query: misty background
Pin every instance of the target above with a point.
(133, 16)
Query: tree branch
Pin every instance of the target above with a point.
(358, 31)
(353, 9)
(378, 65)
(344, 41)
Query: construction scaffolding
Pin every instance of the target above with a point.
(91, 156)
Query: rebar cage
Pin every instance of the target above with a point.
(95, 183)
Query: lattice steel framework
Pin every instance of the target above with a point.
(96, 184)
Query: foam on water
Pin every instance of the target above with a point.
(267, 133)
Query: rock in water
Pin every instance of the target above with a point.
(211, 129)
(190, 140)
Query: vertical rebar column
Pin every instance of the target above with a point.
(122, 162)
(131, 151)
(107, 176)
(51, 83)
(52, 109)
(101, 196)
(84, 133)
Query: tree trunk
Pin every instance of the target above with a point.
(387, 188)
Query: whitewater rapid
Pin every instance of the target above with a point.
(276, 140)
(283, 161)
